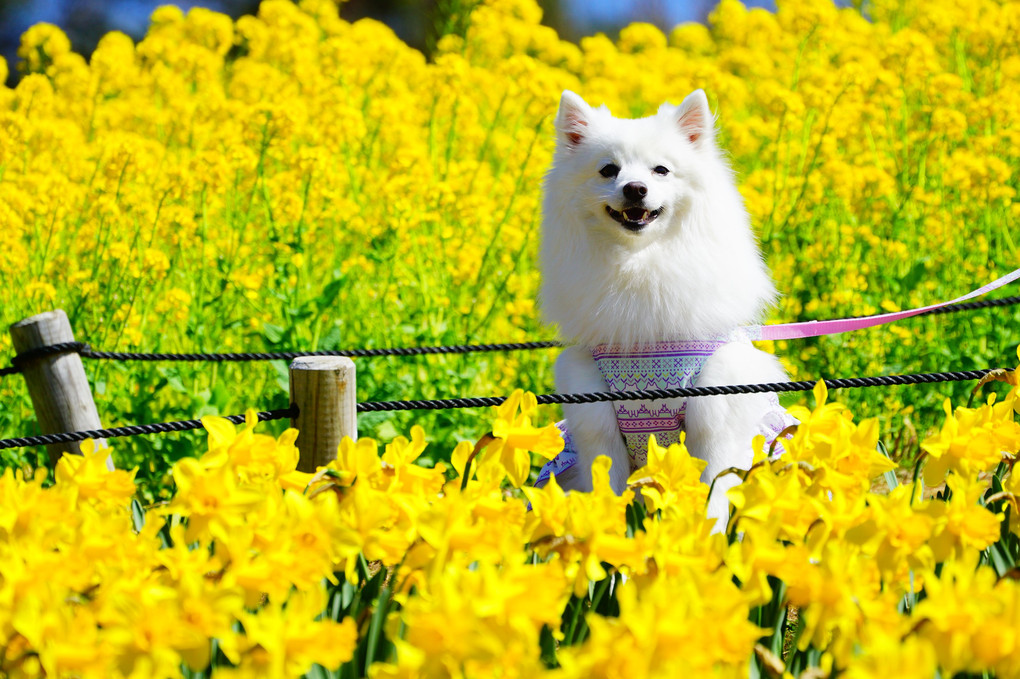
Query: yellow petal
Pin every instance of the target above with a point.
(221, 430)
(459, 456)
(821, 393)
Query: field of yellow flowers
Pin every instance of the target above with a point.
(378, 566)
(294, 181)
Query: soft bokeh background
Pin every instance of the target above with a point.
(295, 180)
(85, 21)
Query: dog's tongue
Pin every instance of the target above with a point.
(635, 214)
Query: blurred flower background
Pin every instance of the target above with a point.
(86, 21)
(290, 180)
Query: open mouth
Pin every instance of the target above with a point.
(633, 218)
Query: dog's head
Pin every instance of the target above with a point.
(632, 177)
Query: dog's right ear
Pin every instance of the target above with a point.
(572, 119)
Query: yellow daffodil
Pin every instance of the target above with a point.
(287, 638)
(212, 500)
(960, 523)
(671, 479)
(516, 438)
(484, 621)
(668, 628)
(971, 440)
(897, 531)
(88, 477)
(970, 618)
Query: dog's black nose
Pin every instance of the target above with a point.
(634, 191)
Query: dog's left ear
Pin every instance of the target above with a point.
(695, 118)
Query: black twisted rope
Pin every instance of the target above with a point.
(545, 399)
(291, 355)
(134, 430)
(687, 392)
(970, 306)
(87, 352)
(959, 306)
(18, 362)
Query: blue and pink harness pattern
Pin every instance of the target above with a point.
(662, 365)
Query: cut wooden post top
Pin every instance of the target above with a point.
(57, 383)
(322, 363)
(323, 389)
(49, 327)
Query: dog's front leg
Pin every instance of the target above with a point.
(592, 425)
(720, 428)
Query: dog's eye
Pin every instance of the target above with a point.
(609, 171)
(660, 170)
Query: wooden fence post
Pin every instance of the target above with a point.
(322, 388)
(57, 383)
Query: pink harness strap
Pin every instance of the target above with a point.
(784, 331)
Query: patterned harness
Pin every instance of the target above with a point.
(662, 365)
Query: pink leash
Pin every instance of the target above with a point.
(783, 331)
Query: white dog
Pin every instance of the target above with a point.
(650, 270)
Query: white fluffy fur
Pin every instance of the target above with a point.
(694, 272)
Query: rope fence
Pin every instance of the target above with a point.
(543, 399)
(133, 430)
(86, 351)
(323, 406)
(684, 392)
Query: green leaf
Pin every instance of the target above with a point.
(137, 515)
(318, 672)
(571, 625)
(999, 559)
(327, 298)
(273, 333)
(547, 642)
(377, 646)
(890, 476)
